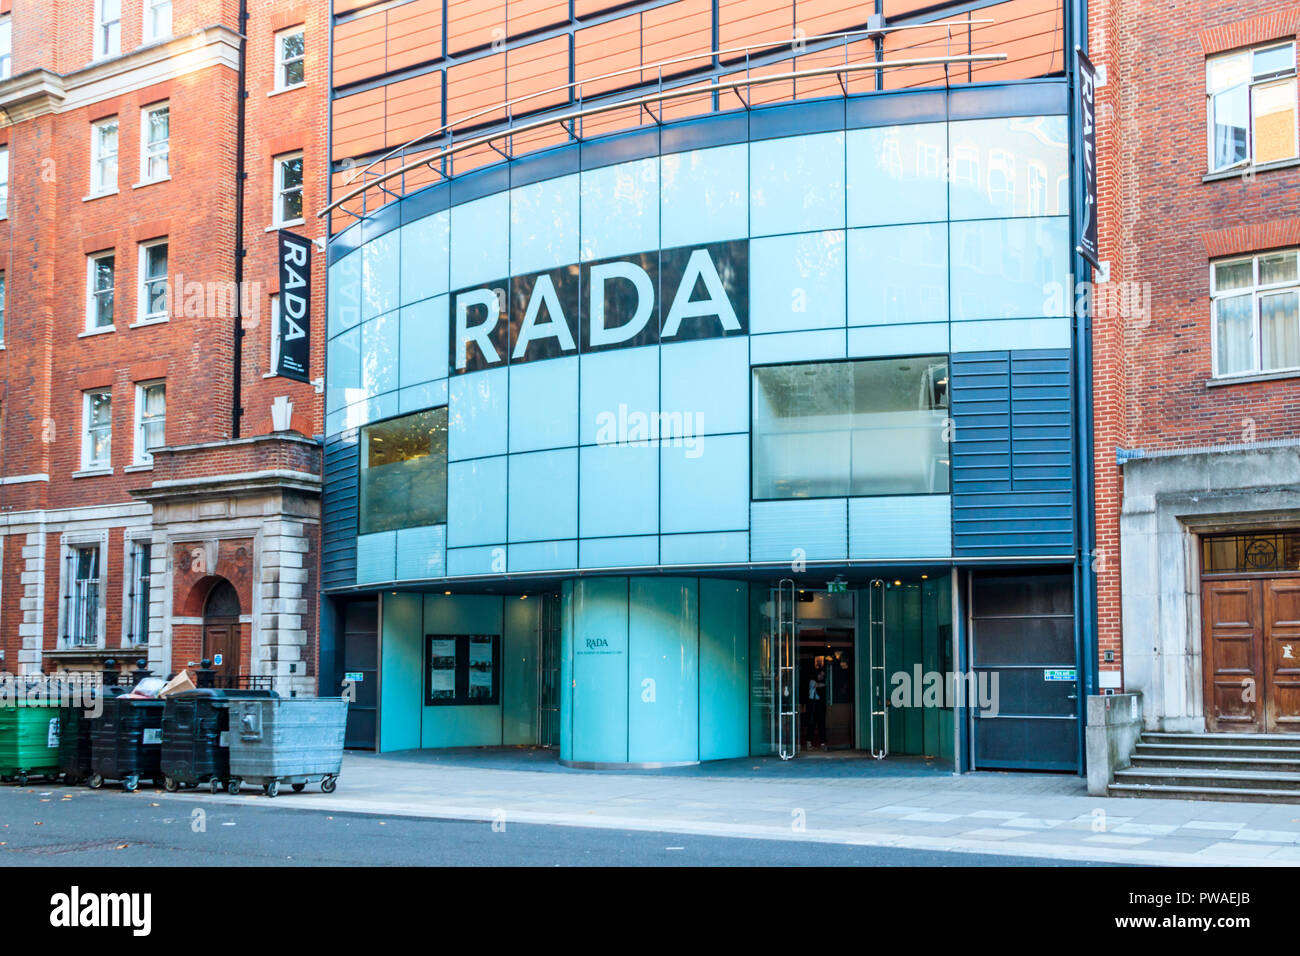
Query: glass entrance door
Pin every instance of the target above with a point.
(548, 672)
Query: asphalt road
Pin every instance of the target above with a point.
(52, 825)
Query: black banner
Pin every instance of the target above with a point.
(1086, 83)
(295, 307)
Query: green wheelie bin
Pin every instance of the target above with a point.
(29, 742)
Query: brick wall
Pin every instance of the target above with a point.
(48, 361)
(1161, 224)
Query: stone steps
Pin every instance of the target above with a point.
(1247, 767)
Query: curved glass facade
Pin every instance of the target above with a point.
(829, 335)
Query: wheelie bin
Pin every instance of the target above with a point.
(126, 742)
(293, 740)
(75, 723)
(195, 737)
(29, 734)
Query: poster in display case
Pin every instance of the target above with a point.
(462, 669)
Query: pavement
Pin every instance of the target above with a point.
(74, 828)
(903, 803)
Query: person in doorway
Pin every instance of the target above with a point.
(817, 708)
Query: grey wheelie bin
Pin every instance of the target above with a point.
(293, 740)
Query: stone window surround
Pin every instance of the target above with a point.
(68, 542)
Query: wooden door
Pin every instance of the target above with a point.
(1232, 662)
(1281, 655)
(221, 647)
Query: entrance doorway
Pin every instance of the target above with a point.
(221, 632)
(826, 636)
(1252, 655)
(360, 648)
(855, 670)
(1250, 621)
(548, 671)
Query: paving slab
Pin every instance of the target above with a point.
(898, 803)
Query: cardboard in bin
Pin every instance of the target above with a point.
(177, 685)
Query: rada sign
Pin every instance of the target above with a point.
(695, 292)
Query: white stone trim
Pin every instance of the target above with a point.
(38, 92)
(32, 603)
(1168, 503)
(23, 479)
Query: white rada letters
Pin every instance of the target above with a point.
(598, 332)
(699, 286)
(480, 334)
(555, 326)
(700, 266)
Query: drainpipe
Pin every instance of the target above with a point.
(1085, 596)
(241, 174)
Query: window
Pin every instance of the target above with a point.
(462, 669)
(153, 281)
(97, 429)
(155, 143)
(108, 28)
(1252, 106)
(1256, 321)
(137, 595)
(103, 157)
(81, 601)
(1253, 553)
(289, 66)
(150, 420)
(833, 429)
(157, 19)
(4, 182)
(2, 308)
(404, 472)
(6, 47)
(100, 285)
(288, 189)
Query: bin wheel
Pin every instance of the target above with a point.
(95, 781)
(170, 784)
(21, 779)
(130, 783)
(328, 784)
(214, 785)
(299, 787)
(272, 788)
(233, 787)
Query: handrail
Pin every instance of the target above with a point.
(676, 93)
(507, 104)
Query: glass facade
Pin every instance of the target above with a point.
(851, 428)
(404, 472)
(832, 345)
(614, 400)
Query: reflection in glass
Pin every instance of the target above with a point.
(1279, 323)
(1235, 335)
(404, 472)
(851, 428)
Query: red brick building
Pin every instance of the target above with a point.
(1198, 362)
(159, 483)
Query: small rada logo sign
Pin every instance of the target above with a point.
(75, 909)
(594, 642)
